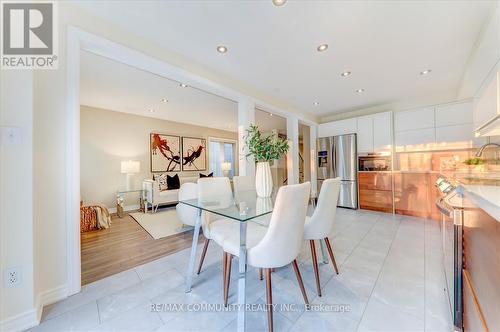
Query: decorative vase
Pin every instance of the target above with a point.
(263, 179)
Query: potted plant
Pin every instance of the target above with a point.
(264, 149)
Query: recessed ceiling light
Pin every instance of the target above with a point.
(279, 3)
(360, 90)
(316, 103)
(164, 100)
(183, 85)
(425, 72)
(346, 73)
(221, 49)
(151, 110)
(322, 47)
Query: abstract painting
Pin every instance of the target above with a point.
(194, 154)
(165, 153)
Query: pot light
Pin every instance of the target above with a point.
(360, 90)
(425, 72)
(346, 73)
(279, 3)
(322, 47)
(270, 114)
(221, 49)
(316, 103)
(164, 100)
(151, 110)
(183, 85)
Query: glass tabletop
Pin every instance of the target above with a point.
(133, 190)
(240, 206)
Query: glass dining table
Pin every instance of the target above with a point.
(241, 207)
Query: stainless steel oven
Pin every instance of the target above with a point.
(451, 206)
(374, 162)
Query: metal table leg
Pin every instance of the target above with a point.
(323, 251)
(192, 258)
(242, 271)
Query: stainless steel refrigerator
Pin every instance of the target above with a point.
(337, 157)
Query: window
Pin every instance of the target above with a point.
(222, 154)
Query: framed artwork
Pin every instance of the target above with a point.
(165, 153)
(194, 154)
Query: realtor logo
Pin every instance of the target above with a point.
(28, 38)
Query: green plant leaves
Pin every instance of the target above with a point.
(266, 148)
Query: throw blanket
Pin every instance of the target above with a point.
(94, 217)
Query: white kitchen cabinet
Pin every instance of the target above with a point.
(457, 133)
(414, 119)
(365, 134)
(454, 114)
(342, 127)
(382, 132)
(487, 108)
(415, 137)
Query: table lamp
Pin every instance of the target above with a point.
(226, 168)
(130, 167)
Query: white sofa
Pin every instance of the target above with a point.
(154, 196)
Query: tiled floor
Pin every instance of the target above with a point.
(390, 279)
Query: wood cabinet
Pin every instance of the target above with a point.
(375, 191)
(481, 249)
(413, 194)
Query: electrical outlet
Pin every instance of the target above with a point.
(12, 276)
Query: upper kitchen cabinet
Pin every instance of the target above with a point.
(415, 119)
(453, 114)
(342, 127)
(365, 134)
(414, 127)
(375, 133)
(382, 132)
(487, 107)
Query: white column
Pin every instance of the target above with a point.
(313, 134)
(246, 116)
(292, 158)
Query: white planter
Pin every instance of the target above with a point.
(263, 179)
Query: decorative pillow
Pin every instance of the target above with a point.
(162, 181)
(173, 182)
(211, 175)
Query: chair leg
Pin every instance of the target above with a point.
(227, 277)
(330, 252)
(261, 274)
(315, 265)
(203, 253)
(269, 293)
(224, 271)
(301, 283)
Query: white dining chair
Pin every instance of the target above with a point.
(243, 183)
(187, 214)
(319, 225)
(277, 245)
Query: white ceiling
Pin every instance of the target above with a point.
(112, 85)
(115, 86)
(385, 44)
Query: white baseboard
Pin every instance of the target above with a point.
(50, 296)
(125, 208)
(20, 322)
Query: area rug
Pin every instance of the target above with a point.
(160, 224)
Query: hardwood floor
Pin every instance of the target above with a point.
(123, 246)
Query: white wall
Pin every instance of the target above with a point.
(109, 137)
(16, 198)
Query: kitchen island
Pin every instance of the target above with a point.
(481, 257)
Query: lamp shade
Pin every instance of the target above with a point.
(130, 166)
(226, 166)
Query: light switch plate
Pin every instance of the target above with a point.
(10, 136)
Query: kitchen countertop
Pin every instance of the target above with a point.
(487, 197)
